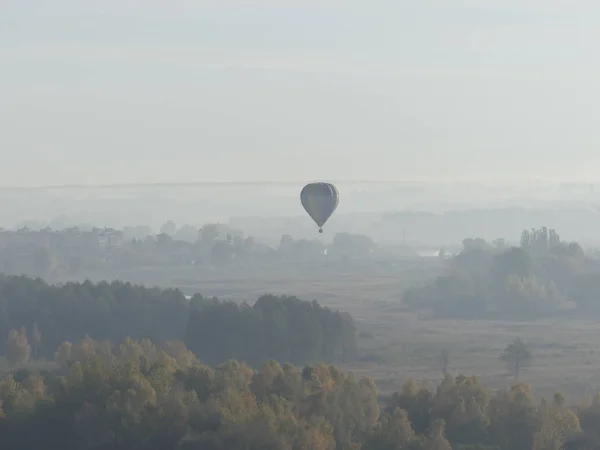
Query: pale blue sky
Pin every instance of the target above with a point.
(117, 91)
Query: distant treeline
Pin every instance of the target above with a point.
(450, 227)
(283, 328)
(63, 254)
(411, 219)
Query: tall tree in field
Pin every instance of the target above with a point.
(517, 355)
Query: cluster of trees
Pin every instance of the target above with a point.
(543, 276)
(274, 327)
(104, 310)
(279, 328)
(137, 396)
(56, 254)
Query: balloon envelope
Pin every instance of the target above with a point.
(320, 201)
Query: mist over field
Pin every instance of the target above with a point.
(164, 285)
(422, 214)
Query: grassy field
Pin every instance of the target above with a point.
(396, 344)
(566, 353)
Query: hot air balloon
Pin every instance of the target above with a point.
(320, 201)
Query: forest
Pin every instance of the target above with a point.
(114, 365)
(136, 395)
(274, 327)
(118, 365)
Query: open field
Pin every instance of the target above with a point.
(396, 344)
(566, 353)
(337, 285)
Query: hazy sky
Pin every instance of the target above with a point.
(117, 91)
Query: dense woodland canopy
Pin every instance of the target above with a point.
(280, 328)
(543, 276)
(135, 395)
(284, 328)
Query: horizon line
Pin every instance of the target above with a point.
(279, 182)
